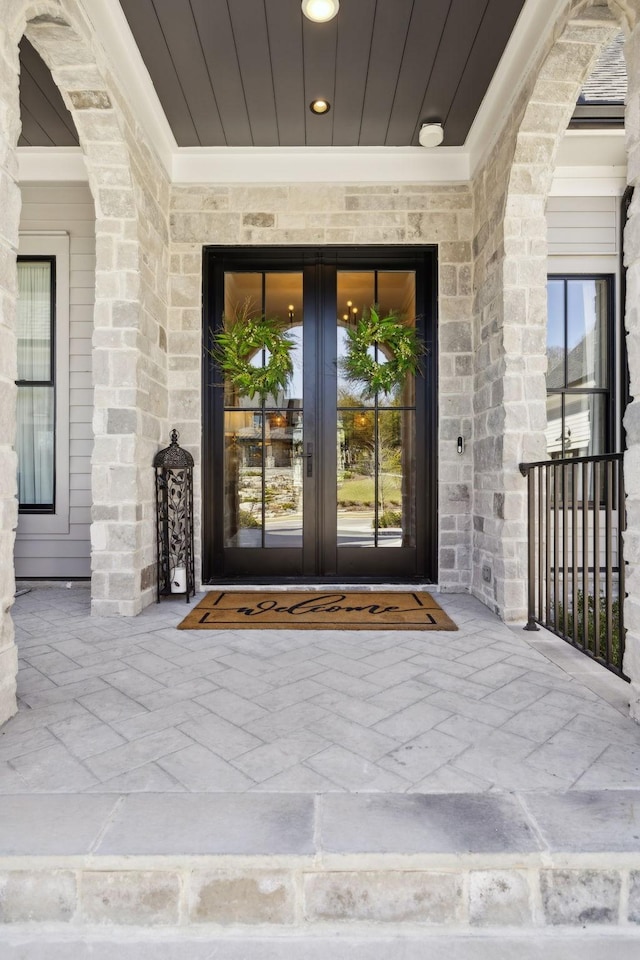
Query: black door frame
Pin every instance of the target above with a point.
(423, 259)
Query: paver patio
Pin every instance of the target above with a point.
(113, 705)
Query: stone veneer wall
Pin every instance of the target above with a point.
(131, 196)
(632, 417)
(337, 214)
(510, 267)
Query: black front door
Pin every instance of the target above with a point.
(320, 480)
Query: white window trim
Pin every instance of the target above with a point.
(54, 244)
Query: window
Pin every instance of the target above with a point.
(42, 438)
(579, 371)
(35, 438)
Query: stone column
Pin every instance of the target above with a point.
(632, 417)
(9, 224)
(130, 191)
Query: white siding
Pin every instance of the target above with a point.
(583, 225)
(47, 208)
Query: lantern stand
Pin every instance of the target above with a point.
(174, 520)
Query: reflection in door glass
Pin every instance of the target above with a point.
(263, 465)
(376, 470)
(376, 435)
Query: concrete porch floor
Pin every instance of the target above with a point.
(462, 781)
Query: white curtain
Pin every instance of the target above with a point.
(35, 408)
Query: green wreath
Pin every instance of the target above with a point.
(242, 337)
(395, 338)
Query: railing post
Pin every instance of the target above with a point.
(531, 536)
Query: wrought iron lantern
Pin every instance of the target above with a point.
(174, 520)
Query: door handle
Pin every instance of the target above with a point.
(309, 456)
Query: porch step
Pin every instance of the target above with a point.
(171, 945)
(361, 865)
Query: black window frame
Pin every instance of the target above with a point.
(48, 508)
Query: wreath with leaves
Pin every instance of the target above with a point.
(244, 335)
(400, 344)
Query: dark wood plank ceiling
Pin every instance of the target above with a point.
(243, 72)
(46, 122)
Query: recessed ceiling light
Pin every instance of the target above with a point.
(320, 10)
(320, 106)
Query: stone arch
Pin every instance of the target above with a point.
(129, 341)
(511, 303)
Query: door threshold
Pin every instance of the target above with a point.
(400, 586)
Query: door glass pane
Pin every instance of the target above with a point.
(376, 434)
(243, 514)
(396, 478)
(242, 291)
(356, 478)
(263, 435)
(283, 479)
(397, 294)
(355, 294)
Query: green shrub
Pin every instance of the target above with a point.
(591, 625)
(247, 519)
(390, 518)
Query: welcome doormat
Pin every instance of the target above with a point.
(316, 610)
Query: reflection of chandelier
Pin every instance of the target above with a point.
(352, 312)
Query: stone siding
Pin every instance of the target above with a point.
(510, 310)
(131, 197)
(298, 896)
(338, 214)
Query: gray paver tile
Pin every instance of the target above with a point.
(457, 703)
(588, 821)
(241, 683)
(131, 682)
(360, 711)
(421, 756)
(84, 736)
(161, 719)
(273, 726)
(365, 741)
(41, 825)
(440, 823)
(565, 755)
(149, 778)
(231, 706)
(515, 694)
(291, 693)
(201, 771)
(53, 769)
(221, 737)
(31, 739)
(352, 772)
(272, 758)
(297, 779)
(110, 704)
(212, 824)
(71, 691)
(353, 686)
(415, 719)
(135, 754)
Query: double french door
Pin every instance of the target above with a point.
(320, 480)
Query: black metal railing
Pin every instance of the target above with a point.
(576, 519)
